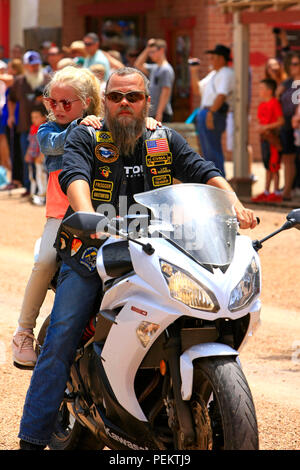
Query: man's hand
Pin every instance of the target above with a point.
(245, 216)
(210, 120)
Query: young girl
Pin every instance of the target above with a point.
(71, 94)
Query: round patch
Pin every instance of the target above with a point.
(107, 153)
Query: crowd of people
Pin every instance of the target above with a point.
(24, 76)
(23, 79)
(277, 116)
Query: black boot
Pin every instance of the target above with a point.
(24, 445)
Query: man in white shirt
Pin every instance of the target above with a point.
(215, 90)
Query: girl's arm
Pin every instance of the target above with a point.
(52, 139)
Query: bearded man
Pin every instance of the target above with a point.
(100, 166)
(27, 90)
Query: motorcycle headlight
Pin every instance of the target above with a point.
(187, 290)
(248, 287)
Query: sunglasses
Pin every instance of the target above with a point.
(66, 104)
(131, 96)
(295, 63)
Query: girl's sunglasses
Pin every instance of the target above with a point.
(66, 104)
(131, 96)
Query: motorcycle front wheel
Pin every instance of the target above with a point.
(222, 406)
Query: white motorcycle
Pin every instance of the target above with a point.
(158, 367)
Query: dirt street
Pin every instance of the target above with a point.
(271, 359)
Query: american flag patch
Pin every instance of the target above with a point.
(157, 146)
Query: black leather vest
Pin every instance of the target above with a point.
(109, 179)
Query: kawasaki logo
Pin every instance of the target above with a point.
(123, 441)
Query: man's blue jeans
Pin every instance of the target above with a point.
(76, 299)
(211, 139)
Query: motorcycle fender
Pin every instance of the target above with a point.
(196, 352)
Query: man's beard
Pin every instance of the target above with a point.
(125, 131)
(35, 80)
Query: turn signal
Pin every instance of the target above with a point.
(163, 367)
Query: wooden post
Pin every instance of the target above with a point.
(241, 181)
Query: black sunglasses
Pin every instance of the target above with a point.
(131, 96)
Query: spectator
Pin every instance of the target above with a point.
(215, 91)
(296, 126)
(4, 150)
(270, 120)
(161, 76)
(288, 97)
(54, 55)
(93, 54)
(14, 69)
(2, 55)
(17, 52)
(77, 52)
(99, 71)
(131, 56)
(27, 90)
(65, 62)
(34, 158)
(45, 46)
(274, 70)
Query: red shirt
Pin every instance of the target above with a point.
(269, 111)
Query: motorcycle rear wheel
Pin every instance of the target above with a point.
(69, 434)
(220, 385)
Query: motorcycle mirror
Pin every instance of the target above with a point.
(84, 224)
(293, 219)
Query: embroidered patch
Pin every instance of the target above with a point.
(89, 257)
(76, 245)
(101, 196)
(103, 136)
(105, 171)
(63, 240)
(107, 153)
(157, 146)
(102, 190)
(161, 180)
(160, 171)
(156, 160)
(104, 185)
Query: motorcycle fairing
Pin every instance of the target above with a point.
(147, 291)
(113, 417)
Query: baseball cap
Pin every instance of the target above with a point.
(220, 49)
(32, 58)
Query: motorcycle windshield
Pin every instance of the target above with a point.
(198, 218)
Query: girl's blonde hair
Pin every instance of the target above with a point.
(85, 84)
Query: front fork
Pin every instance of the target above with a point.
(172, 349)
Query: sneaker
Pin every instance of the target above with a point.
(263, 197)
(22, 348)
(38, 200)
(273, 197)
